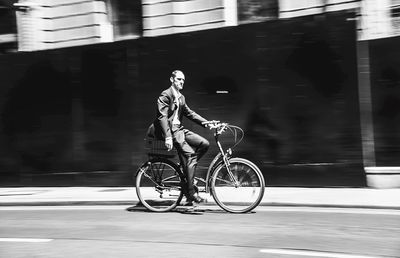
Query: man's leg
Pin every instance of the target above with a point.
(188, 160)
(199, 144)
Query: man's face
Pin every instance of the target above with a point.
(178, 81)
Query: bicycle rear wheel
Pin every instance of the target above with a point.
(242, 197)
(158, 185)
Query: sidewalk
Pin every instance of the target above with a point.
(274, 196)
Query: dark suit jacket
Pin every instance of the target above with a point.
(161, 127)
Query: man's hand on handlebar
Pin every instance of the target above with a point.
(212, 124)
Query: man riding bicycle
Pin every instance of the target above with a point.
(171, 107)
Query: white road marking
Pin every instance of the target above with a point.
(26, 240)
(314, 253)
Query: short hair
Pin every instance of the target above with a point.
(173, 74)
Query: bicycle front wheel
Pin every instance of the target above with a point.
(158, 185)
(239, 191)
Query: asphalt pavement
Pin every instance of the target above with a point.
(273, 196)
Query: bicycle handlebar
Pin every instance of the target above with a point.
(215, 124)
(221, 127)
(212, 122)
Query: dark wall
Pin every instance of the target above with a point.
(385, 85)
(291, 85)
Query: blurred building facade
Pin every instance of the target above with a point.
(8, 27)
(34, 26)
(47, 24)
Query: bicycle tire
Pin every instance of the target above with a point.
(241, 198)
(159, 185)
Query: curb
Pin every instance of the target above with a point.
(135, 203)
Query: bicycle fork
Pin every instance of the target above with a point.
(227, 163)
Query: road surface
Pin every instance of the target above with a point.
(123, 231)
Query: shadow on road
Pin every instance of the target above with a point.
(188, 210)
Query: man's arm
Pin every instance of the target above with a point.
(186, 111)
(163, 104)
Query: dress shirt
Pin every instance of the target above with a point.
(177, 94)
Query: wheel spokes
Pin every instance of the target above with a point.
(159, 186)
(240, 189)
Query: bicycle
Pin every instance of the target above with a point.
(236, 184)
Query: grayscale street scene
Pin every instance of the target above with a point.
(200, 128)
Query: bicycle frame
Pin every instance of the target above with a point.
(221, 158)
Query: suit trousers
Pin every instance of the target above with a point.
(190, 147)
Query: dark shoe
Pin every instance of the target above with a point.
(188, 204)
(196, 199)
